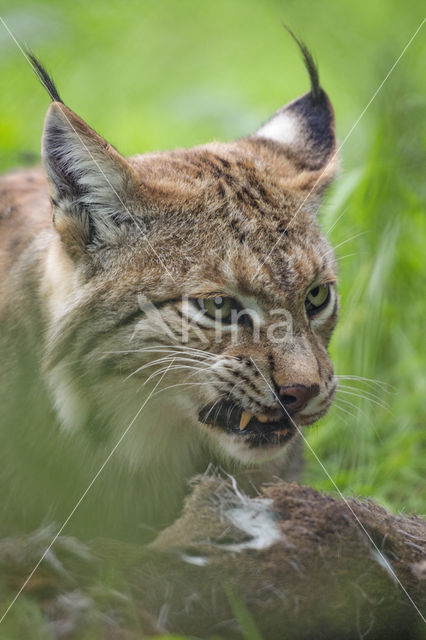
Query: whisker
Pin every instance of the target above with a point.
(357, 235)
(359, 411)
(336, 221)
(162, 361)
(167, 348)
(182, 384)
(151, 363)
(338, 407)
(171, 368)
(379, 404)
(379, 383)
(173, 349)
(350, 404)
(216, 413)
(212, 407)
(364, 393)
(347, 255)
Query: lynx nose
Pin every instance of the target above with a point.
(295, 398)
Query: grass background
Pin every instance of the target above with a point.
(157, 74)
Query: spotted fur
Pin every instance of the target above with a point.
(101, 256)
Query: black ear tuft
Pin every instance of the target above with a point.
(44, 77)
(305, 127)
(310, 65)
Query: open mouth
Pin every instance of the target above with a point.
(257, 430)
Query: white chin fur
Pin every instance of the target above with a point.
(236, 449)
(71, 407)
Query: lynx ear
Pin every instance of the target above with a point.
(304, 129)
(93, 188)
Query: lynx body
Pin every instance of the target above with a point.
(110, 269)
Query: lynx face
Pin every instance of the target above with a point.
(196, 277)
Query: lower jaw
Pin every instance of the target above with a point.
(257, 435)
(274, 439)
(282, 434)
(259, 439)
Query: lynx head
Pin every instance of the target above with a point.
(201, 273)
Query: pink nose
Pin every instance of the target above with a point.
(296, 398)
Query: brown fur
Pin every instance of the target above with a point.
(84, 240)
(307, 570)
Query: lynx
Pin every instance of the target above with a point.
(173, 308)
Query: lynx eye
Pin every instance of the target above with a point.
(317, 299)
(218, 308)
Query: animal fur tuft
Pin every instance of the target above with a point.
(309, 64)
(45, 79)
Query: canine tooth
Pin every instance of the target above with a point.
(262, 418)
(245, 419)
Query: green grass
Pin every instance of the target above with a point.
(379, 450)
(152, 75)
